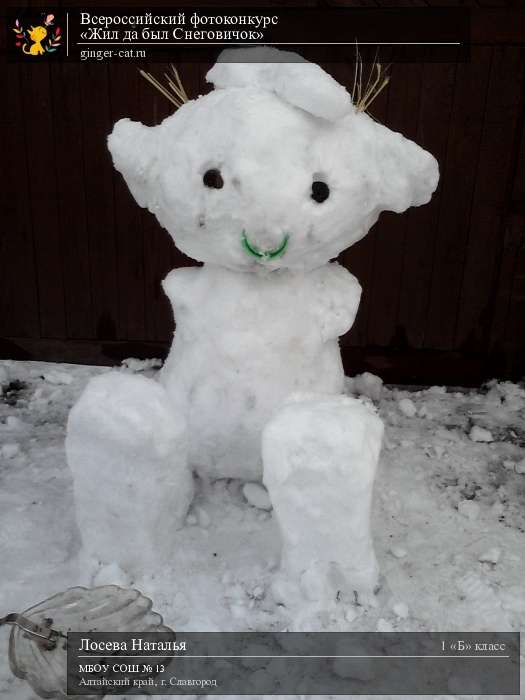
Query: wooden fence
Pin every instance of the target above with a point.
(444, 284)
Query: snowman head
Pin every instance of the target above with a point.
(275, 168)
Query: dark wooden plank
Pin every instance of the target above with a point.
(446, 3)
(517, 200)
(402, 116)
(502, 333)
(353, 3)
(494, 3)
(98, 174)
(514, 339)
(95, 352)
(72, 208)
(38, 117)
(507, 339)
(451, 3)
(458, 176)
(489, 202)
(492, 26)
(124, 100)
(515, 326)
(402, 3)
(424, 367)
(188, 5)
(432, 134)
(18, 291)
(512, 240)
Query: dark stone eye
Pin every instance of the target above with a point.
(213, 178)
(320, 191)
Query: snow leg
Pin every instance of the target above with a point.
(320, 455)
(127, 449)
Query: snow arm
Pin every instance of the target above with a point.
(336, 299)
(182, 287)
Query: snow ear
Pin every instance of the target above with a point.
(134, 149)
(408, 175)
(286, 74)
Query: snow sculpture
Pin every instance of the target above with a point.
(265, 180)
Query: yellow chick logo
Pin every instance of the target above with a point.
(39, 40)
(36, 34)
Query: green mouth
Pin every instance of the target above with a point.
(255, 252)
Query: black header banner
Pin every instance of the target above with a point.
(195, 34)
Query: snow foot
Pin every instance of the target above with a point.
(126, 448)
(320, 455)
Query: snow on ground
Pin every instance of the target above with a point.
(449, 519)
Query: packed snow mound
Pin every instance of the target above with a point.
(288, 75)
(366, 384)
(250, 177)
(243, 344)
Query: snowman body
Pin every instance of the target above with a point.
(244, 342)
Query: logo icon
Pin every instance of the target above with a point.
(40, 39)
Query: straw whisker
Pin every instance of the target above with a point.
(376, 82)
(179, 83)
(173, 91)
(375, 62)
